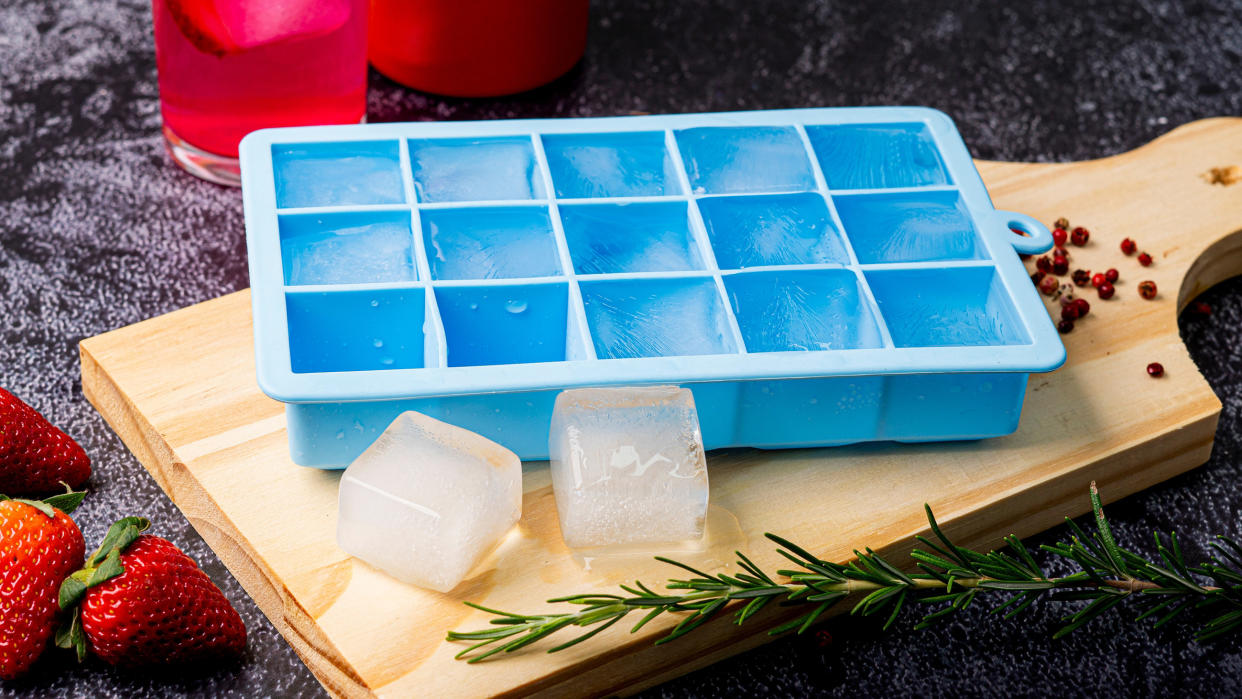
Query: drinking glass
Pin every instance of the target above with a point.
(228, 67)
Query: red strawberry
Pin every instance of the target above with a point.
(35, 456)
(39, 547)
(144, 602)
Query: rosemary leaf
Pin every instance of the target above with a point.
(950, 575)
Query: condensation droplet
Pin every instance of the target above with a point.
(515, 306)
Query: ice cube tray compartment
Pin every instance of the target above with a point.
(505, 324)
(347, 248)
(372, 329)
(798, 270)
(475, 169)
(660, 317)
(872, 156)
(337, 174)
(493, 242)
(802, 310)
(635, 237)
(946, 307)
(909, 227)
(585, 165)
(730, 160)
(772, 229)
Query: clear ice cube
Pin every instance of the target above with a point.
(772, 229)
(485, 169)
(869, 156)
(802, 310)
(646, 237)
(318, 175)
(610, 165)
(628, 468)
(427, 501)
(657, 318)
(490, 243)
(909, 227)
(728, 160)
(380, 251)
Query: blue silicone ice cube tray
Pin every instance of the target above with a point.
(814, 276)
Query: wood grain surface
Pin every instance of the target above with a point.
(180, 391)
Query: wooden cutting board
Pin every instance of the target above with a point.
(180, 390)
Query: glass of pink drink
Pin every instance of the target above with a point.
(228, 67)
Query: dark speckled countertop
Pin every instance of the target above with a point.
(98, 230)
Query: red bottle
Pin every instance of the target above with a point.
(476, 48)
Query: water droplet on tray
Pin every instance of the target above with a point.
(515, 306)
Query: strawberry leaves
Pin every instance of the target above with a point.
(66, 502)
(71, 636)
(120, 535)
(74, 588)
(105, 563)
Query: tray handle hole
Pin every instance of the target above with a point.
(1027, 235)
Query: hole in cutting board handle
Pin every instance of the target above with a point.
(1220, 261)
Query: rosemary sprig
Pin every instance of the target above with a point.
(948, 575)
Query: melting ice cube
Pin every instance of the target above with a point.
(428, 500)
(628, 467)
